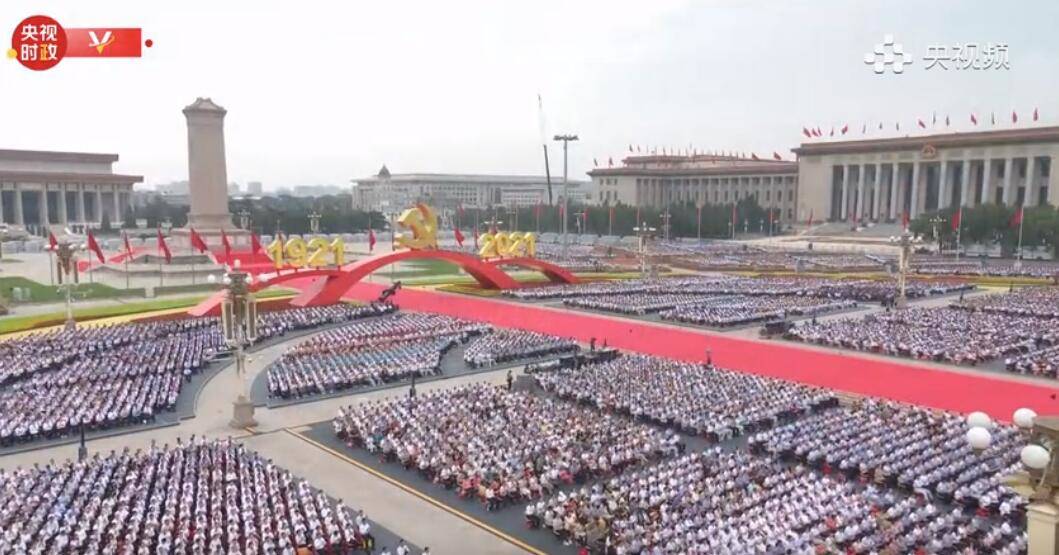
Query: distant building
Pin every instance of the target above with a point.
(234, 189)
(660, 180)
(44, 187)
(254, 188)
(386, 191)
(315, 190)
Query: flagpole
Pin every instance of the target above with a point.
(959, 228)
(1018, 258)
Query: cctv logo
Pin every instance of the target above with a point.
(99, 45)
(889, 54)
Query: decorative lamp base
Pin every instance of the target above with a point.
(242, 414)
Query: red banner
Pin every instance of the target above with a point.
(103, 43)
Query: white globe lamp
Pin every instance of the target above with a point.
(1024, 418)
(979, 438)
(979, 419)
(1035, 457)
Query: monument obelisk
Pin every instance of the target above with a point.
(207, 169)
(208, 174)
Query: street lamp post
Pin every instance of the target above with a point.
(1038, 481)
(314, 223)
(244, 220)
(904, 263)
(566, 184)
(66, 256)
(666, 216)
(643, 232)
(239, 326)
(935, 222)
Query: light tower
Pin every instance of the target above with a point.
(239, 326)
(566, 184)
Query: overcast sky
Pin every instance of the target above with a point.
(322, 92)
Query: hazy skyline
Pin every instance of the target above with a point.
(321, 93)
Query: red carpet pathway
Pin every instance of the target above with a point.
(892, 380)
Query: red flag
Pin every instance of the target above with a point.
(255, 244)
(371, 239)
(1014, 117)
(53, 243)
(1036, 115)
(921, 123)
(974, 120)
(1016, 220)
(832, 132)
(164, 248)
(777, 156)
(956, 218)
(845, 129)
(610, 162)
(754, 156)
(904, 219)
(992, 118)
(807, 133)
(227, 245)
(476, 237)
(810, 218)
(595, 163)
(537, 210)
(197, 241)
(128, 247)
(459, 236)
(94, 247)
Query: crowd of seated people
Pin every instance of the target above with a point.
(367, 353)
(121, 374)
(1042, 302)
(733, 502)
(940, 334)
(1027, 268)
(639, 304)
(497, 446)
(900, 445)
(198, 497)
(738, 310)
(678, 290)
(506, 345)
(694, 399)
(1037, 362)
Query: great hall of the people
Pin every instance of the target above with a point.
(865, 180)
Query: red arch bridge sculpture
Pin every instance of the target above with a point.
(329, 285)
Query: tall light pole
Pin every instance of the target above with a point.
(65, 253)
(314, 223)
(643, 232)
(566, 184)
(239, 326)
(904, 263)
(665, 222)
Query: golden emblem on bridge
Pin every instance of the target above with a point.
(421, 224)
(507, 245)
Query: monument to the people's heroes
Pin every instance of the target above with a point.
(208, 176)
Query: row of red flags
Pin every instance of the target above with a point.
(815, 132)
(196, 240)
